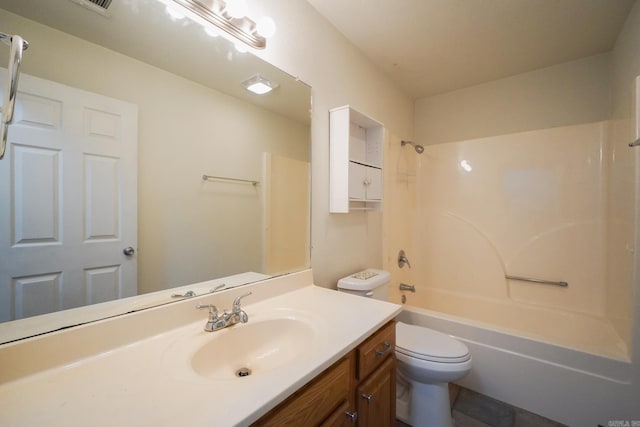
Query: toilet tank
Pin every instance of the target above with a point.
(370, 283)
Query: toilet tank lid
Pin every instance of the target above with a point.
(365, 280)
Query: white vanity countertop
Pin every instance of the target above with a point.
(150, 381)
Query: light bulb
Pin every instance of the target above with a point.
(236, 8)
(174, 13)
(266, 27)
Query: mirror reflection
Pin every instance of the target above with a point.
(118, 118)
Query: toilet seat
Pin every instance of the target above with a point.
(429, 345)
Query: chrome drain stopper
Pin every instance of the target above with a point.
(243, 372)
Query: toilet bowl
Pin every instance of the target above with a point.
(427, 360)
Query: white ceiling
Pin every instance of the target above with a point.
(434, 46)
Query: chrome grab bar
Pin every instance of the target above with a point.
(528, 279)
(222, 178)
(17, 45)
(405, 287)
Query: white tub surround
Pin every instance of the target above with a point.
(509, 209)
(136, 369)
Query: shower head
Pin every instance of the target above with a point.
(419, 148)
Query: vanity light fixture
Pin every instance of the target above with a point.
(259, 85)
(230, 17)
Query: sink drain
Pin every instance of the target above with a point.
(243, 372)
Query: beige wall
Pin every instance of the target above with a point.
(565, 94)
(306, 46)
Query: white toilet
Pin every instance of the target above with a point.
(427, 360)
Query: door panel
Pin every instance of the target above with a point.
(101, 195)
(36, 295)
(36, 189)
(68, 192)
(374, 187)
(357, 177)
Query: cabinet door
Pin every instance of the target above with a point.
(357, 178)
(377, 397)
(374, 184)
(315, 401)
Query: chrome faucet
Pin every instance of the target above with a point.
(216, 322)
(402, 259)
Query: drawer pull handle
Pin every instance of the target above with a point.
(353, 416)
(367, 397)
(386, 346)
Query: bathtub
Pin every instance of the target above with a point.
(571, 386)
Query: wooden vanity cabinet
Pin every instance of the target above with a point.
(359, 389)
(317, 401)
(376, 376)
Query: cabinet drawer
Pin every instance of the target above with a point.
(376, 349)
(313, 403)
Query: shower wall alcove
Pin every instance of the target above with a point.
(554, 202)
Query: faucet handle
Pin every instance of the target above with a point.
(402, 259)
(187, 294)
(236, 302)
(216, 288)
(213, 311)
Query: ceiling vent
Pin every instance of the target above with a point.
(98, 6)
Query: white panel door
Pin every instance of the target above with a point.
(68, 191)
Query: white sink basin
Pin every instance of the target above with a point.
(254, 348)
(272, 341)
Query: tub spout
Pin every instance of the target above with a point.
(405, 287)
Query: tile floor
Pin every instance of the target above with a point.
(471, 409)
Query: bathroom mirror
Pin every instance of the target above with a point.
(163, 84)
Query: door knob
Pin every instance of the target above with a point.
(128, 251)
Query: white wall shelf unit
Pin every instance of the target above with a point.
(356, 144)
